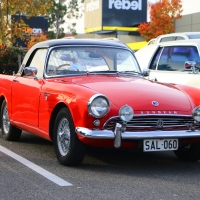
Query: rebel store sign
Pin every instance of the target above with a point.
(125, 4)
(124, 13)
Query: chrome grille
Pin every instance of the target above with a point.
(151, 123)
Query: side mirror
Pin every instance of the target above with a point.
(189, 64)
(146, 72)
(30, 71)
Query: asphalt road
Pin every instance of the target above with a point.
(104, 174)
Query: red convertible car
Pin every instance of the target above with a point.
(79, 93)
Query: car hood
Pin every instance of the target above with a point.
(137, 92)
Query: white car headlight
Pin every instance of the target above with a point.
(98, 106)
(126, 113)
(196, 114)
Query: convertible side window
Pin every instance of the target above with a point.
(174, 57)
(38, 61)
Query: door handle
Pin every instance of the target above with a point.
(46, 95)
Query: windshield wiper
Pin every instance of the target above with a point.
(102, 72)
(129, 72)
(115, 72)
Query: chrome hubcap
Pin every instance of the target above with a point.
(6, 120)
(63, 136)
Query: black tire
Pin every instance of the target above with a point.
(68, 148)
(189, 153)
(9, 132)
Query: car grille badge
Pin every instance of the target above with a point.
(160, 123)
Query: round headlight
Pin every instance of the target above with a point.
(126, 113)
(98, 106)
(196, 114)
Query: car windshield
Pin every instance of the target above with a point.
(76, 60)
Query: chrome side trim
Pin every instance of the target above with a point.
(106, 134)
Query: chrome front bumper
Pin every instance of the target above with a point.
(117, 135)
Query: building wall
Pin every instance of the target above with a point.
(188, 23)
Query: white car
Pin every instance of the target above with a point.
(152, 41)
(172, 62)
(174, 37)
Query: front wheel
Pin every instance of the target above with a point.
(9, 132)
(68, 148)
(189, 152)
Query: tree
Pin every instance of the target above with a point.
(52, 35)
(61, 9)
(162, 16)
(35, 39)
(10, 59)
(72, 28)
(11, 29)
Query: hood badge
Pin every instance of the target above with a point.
(155, 103)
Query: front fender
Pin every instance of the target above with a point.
(192, 93)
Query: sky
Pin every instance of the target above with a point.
(189, 7)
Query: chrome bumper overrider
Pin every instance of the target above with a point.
(117, 135)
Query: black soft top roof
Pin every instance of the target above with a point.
(55, 42)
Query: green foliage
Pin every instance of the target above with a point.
(71, 9)
(9, 59)
(72, 28)
(52, 35)
(61, 33)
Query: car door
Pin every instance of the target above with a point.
(26, 92)
(168, 65)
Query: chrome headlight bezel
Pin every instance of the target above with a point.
(93, 111)
(196, 113)
(126, 113)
